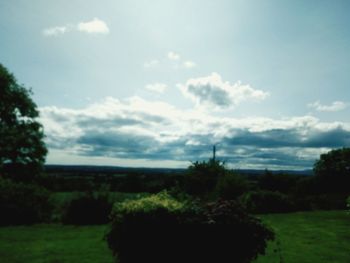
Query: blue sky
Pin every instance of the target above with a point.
(156, 83)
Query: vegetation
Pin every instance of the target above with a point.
(88, 209)
(159, 228)
(267, 202)
(54, 244)
(303, 237)
(332, 171)
(22, 150)
(308, 237)
(23, 203)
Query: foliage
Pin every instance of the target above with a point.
(23, 203)
(22, 150)
(333, 170)
(91, 208)
(348, 203)
(230, 186)
(283, 183)
(202, 177)
(148, 204)
(160, 228)
(267, 202)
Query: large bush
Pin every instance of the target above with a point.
(159, 228)
(202, 177)
(23, 203)
(267, 202)
(88, 209)
(230, 186)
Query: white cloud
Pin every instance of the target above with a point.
(173, 56)
(156, 87)
(55, 31)
(151, 64)
(189, 64)
(214, 92)
(335, 106)
(137, 129)
(95, 26)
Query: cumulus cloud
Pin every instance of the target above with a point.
(335, 106)
(173, 56)
(212, 91)
(55, 31)
(95, 26)
(137, 129)
(189, 64)
(156, 87)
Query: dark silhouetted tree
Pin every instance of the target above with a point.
(22, 149)
(333, 170)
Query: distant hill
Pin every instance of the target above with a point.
(125, 170)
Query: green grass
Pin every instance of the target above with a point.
(309, 237)
(315, 237)
(54, 244)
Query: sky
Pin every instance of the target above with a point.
(157, 83)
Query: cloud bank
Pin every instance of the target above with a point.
(152, 131)
(213, 92)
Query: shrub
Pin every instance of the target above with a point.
(88, 209)
(202, 177)
(348, 203)
(267, 202)
(159, 228)
(230, 186)
(23, 203)
(284, 183)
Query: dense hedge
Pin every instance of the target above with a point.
(267, 202)
(88, 209)
(161, 229)
(23, 203)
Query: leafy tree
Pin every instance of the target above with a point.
(335, 163)
(22, 150)
(333, 170)
(202, 177)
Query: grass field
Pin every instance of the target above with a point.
(54, 244)
(304, 237)
(309, 237)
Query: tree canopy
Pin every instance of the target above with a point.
(335, 163)
(22, 149)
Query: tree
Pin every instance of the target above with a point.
(335, 163)
(202, 177)
(22, 149)
(333, 170)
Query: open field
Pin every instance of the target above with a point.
(54, 244)
(303, 237)
(309, 237)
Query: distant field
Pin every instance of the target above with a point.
(305, 237)
(309, 237)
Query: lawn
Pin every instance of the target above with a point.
(54, 244)
(309, 237)
(304, 237)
